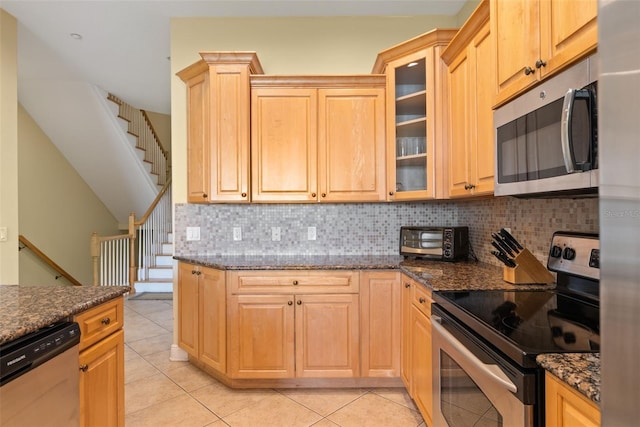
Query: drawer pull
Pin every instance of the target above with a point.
(295, 282)
(422, 300)
(105, 321)
(84, 368)
(289, 302)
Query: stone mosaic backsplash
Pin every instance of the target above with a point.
(373, 228)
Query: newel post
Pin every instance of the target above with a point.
(132, 253)
(94, 249)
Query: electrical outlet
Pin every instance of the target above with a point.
(311, 233)
(193, 234)
(237, 233)
(275, 234)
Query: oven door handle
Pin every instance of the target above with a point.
(492, 370)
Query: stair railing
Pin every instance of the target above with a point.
(116, 259)
(147, 140)
(33, 248)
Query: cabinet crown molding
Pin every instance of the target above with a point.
(436, 37)
(319, 81)
(221, 57)
(461, 40)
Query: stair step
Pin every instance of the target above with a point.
(170, 237)
(160, 273)
(167, 248)
(164, 260)
(154, 286)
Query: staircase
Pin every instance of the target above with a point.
(142, 258)
(160, 276)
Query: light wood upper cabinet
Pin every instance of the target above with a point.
(565, 407)
(218, 123)
(536, 38)
(380, 324)
(284, 144)
(351, 138)
(470, 62)
(416, 116)
(317, 138)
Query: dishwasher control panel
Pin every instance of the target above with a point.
(27, 352)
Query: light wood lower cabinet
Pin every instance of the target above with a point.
(380, 331)
(289, 328)
(101, 364)
(292, 335)
(565, 407)
(416, 345)
(202, 316)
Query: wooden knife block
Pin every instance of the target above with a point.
(528, 270)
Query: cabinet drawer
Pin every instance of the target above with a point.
(421, 298)
(298, 282)
(99, 322)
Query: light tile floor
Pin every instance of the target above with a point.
(159, 392)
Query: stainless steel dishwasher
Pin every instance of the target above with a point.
(39, 378)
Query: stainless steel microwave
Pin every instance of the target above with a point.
(546, 140)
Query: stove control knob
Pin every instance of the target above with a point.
(594, 258)
(569, 254)
(569, 337)
(556, 251)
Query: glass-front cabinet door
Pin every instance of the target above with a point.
(413, 166)
(416, 131)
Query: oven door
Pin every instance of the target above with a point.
(470, 383)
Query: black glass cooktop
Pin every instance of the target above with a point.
(523, 324)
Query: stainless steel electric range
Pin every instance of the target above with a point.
(485, 342)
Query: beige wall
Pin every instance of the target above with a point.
(9, 147)
(466, 11)
(57, 209)
(162, 125)
(298, 45)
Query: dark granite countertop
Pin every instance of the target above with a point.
(580, 371)
(437, 275)
(25, 309)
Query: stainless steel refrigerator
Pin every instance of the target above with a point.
(619, 142)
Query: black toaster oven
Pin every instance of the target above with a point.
(437, 243)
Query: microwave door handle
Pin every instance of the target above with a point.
(492, 370)
(565, 131)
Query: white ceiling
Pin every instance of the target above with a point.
(136, 33)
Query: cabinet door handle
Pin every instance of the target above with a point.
(198, 273)
(324, 194)
(407, 285)
(193, 271)
(204, 195)
(299, 302)
(391, 193)
(540, 63)
(528, 71)
(244, 194)
(295, 282)
(313, 195)
(422, 300)
(469, 186)
(84, 368)
(105, 321)
(289, 302)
